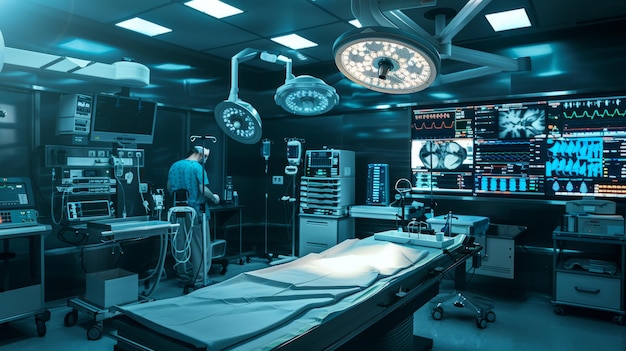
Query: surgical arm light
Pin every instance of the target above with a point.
(237, 118)
(304, 95)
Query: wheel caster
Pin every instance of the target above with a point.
(490, 316)
(71, 318)
(437, 313)
(618, 319)
(559, 310)
(241, 261)
(44, 316)
(94, 332)
(248, 260)
(41, 328)
(481, 323)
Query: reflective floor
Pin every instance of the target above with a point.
(523, 322)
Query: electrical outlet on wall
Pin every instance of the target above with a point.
(277, 180)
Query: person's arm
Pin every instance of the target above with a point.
(208, 194)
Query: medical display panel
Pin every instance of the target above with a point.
(442, 165)
(550, 149)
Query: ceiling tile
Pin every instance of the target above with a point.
(108, 11)
(195, 30)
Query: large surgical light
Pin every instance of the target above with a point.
(305, 95)
(393, 54)
(237, 118)
(386, 60)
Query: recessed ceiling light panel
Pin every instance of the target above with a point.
(294, 41)
(144, 27)
(507, 20)
(386, 60)
(214, 8)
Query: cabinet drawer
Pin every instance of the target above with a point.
(588, 290)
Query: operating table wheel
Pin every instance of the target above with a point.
(490, 316)
(71, 318)
(481, 323)
(94, 332)
(437, 313)
(618, 319)
(559, 310)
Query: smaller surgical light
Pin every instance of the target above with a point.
(305, 95)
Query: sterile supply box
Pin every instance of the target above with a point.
(112, 287)
(461, 224)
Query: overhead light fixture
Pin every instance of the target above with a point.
(305, 95)
(214, 8)
(237, 118)
(386, 60)
(393, 54)
(144, 27)
(294, 41)
(506, 20)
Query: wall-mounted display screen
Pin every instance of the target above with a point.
(552, 149)
(124, 120)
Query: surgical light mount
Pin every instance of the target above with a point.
(393, 54)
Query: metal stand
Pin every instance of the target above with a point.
(282, 258)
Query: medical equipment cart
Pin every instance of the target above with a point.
(22, 274)
(589, 272)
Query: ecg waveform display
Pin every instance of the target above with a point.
(449, 123)
(597, 117)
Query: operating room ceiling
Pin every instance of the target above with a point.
(574, 47)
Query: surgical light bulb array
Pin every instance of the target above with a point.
(386, 63)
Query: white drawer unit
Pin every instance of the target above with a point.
(588, 290)
(319, 233)
(589, 272)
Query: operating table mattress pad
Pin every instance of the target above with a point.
(266, 307)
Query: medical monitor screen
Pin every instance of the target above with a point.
(521, 122)
(123, 120)
(16, 193)
(513, 167)
(592, 117)
(442, 165)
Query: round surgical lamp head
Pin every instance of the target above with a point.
(387, 60)
(306, 96)
(239, 120)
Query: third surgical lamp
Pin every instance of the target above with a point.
(302, 95)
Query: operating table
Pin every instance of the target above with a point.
(357, 293)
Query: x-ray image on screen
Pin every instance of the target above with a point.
(521, 123)
(445, 155)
